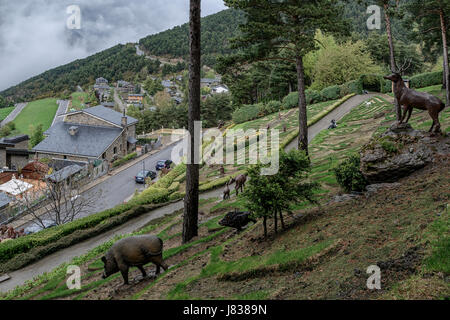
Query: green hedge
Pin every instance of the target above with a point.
(426, 79)
(247, 113)
(371, 82)
(125, 159)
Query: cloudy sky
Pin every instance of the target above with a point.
(34, 36)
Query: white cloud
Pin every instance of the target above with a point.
(34, 37)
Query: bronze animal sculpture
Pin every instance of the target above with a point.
(134, 252)
(236, 220)
(240, 183)
(226, 192)
(410, 99)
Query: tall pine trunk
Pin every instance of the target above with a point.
(387, 19)
(302, 119)
(190, 219)
(446, 67)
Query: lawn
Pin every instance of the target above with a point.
(78, 100)
(35, 113)
(4, 112)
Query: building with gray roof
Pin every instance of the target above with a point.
(96, 133)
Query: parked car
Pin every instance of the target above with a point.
(141, 176)
(37, 227)
(163, 164)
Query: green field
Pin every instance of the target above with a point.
(4, 112)
(35, 113)
(78, 100)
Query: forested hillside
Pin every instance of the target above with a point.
(217, 29)
(116, 63)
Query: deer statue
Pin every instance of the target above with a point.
(226, 191)
(240, 183)
(409, 99)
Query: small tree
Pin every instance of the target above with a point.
(270, 196)
(59, 200)
(37, 135)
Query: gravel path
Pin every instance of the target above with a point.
(62, 108)
(50, 262)
(18, 109)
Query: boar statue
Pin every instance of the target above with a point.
(236, 220)
(134, 252)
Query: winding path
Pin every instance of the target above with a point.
(52, 261)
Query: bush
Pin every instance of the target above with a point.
(331, 93)
(386, 86)
(124, 159)
(290, 101)
(349, 176)
(371, 82)
(313, 96)
(272, 107)
(426, 79)
(354, 86)
(246, 113)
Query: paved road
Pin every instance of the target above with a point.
(336, 114)
(119, 101)
(18, 109)
(125, 181)
(119, 187)
(62, 109)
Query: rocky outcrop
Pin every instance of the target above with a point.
(400, 151)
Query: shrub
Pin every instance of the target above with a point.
(386, 86)
(291, 100)
(331, 93)
(272, 107)
(371, 82)
(125, 159)
(349, 176)
(313, 96)
(246, 113)
(354, 86)
(426, 79)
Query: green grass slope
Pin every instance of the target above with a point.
(36, 113)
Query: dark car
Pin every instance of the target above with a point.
(163, 164)
(141, 176)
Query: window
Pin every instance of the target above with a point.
(115, 150)
(104, 156)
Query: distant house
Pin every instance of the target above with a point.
(207, 82)
(135, 98)
(167, 84)
(125, 87)
(101, 81)
(14, 153)
(96, 133)
(220, 89)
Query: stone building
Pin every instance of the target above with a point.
(96, 133)
(14, 153)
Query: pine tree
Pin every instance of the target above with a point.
(285, 31)
(433, 20)
(190, 219)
